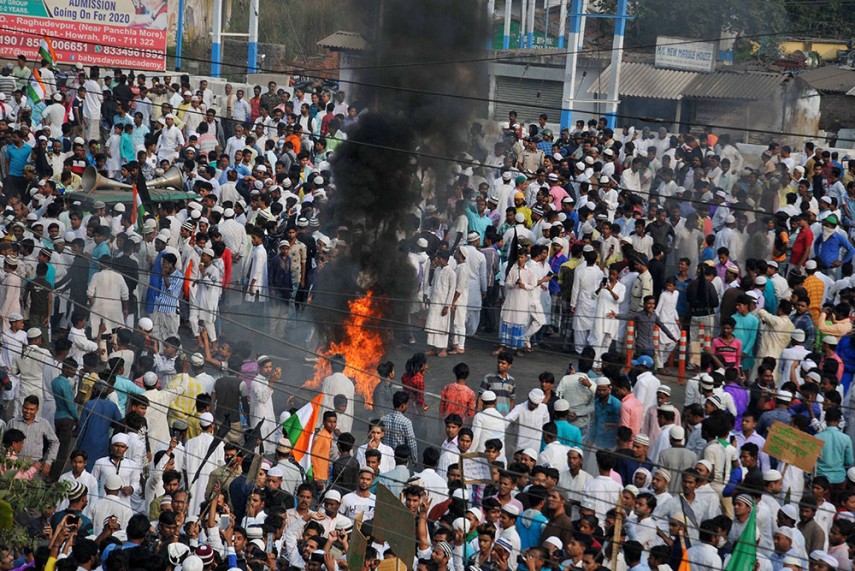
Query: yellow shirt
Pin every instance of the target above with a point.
(184, 406)
(182, 107)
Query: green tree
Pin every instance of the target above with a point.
(822, 18)
(764, 20)
(295, 24)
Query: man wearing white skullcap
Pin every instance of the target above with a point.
(196, 450)
(116, 463)
(531, 416)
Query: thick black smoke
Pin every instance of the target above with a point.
(374, 170)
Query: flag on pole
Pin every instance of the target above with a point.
(138, 212)
(46, 51)
(684, 556)
(300, 428)
(745, 551)
(36, 88)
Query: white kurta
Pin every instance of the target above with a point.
(458, 320)
(261, 409)
(586, 280)
(605, 329)
(530, 423)
(515, 309)
(666, 311)
(339, 384)
(168, 144)
(477, 263)
(486, 425)
(209, 291)
(196, 448)
(108, 290)
(441, 295)
(256, 275)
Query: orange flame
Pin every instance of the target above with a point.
(362, 347)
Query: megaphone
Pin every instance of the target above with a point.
(172, 177)
(91, 180)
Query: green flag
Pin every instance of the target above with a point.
(745, 551)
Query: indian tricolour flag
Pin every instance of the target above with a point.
(36, 88)
(138, 213)
(300, 429)
(46, 51)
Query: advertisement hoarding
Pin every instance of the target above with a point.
(681, 53)
(128, 34)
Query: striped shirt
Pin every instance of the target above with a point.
(505, 389)
(167, 300)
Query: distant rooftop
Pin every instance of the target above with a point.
(345, 41)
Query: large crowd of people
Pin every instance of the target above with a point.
(125, 378)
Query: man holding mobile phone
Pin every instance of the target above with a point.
(78, 498)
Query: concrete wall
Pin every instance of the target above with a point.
(791, 115)
(827, 50)
(838, 112)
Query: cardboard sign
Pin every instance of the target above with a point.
(356, 549)
(476, 468)
(791, 445)
(394, 524)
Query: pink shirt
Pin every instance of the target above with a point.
(631, 413)
(730, 354)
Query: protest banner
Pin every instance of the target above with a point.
(108, 33)
(791, 445)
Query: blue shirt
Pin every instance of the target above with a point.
(769, 417)
(828, 251)
(18, 158)
(478, 223)
(770, 300)
(605, 413)
(836, 455)
(568, 434)
(63, 393)
(124, 387)
(155, 282)
(746, 331)
(119, 120)
(529, 525)
(682, 301)
(102, 249)
(166, 301)
(96, 426)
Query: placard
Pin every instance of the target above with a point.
(791, 445)
(476, 468)
(394, 524)
(356, 549)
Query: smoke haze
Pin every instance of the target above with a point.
(375, 182)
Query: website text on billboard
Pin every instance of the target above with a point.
(109, 33)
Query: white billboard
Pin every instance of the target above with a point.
(685, 54)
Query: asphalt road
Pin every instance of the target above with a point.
(429, 428)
